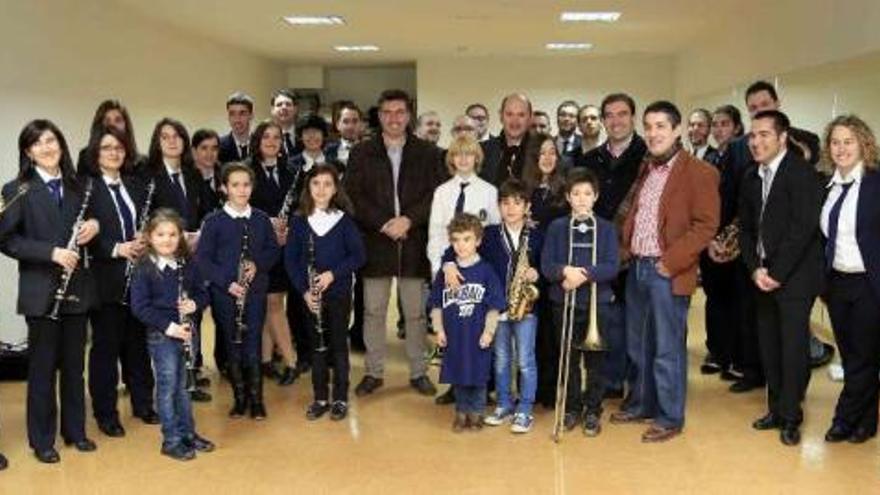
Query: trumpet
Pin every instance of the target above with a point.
(129, 265)
(316, 293)
(20, 191)
(64, 282)
(581, 235)
(189, 353)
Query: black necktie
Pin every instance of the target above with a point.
(833, 220)
(288, 144)
(124, 212)
(178, 182)
(459, 203)
(54, 186)
(242, 151)
(273, 181)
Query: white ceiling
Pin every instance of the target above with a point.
(409, 30)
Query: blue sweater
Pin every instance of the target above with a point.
(154, 294)
(219, 249)
(495, 251)
(555, 257)
(340, 250)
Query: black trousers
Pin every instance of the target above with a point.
(220, 356)
(356, 332)
(783, 337)
(335, 315)
(297, 316)
(854, 308)
(578, 400)
(55, 346)
(752, 368)
(118, 338)
(723, 312)
(546, 352)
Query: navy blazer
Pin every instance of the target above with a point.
(166, 197)
(154, 294)
(269, 198)
(111, 281)
(31, 228)
(228, 151)
(868, 227)
(789, 227)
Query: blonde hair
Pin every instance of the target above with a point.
(464, 145)
(864, 135)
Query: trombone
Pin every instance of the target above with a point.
(581, 235)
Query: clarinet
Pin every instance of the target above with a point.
(64, 282)
(316, 293)
(243, 259)
(129, 265)
(289, 200)
(189, 354)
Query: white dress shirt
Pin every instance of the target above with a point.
(46, 178)
(480, 199)
(179, 171)
(847, 256)
(763, 171)
(128, 204)
(232, 212)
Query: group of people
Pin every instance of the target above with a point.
(504, 243)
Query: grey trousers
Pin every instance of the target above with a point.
(377, 292)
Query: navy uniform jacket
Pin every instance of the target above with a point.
(228, 150)
(340, 250)
(165, 197)
(154, 293)
(30, 229)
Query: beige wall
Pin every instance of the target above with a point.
(60, 59)
(448, 85)
(363, 84)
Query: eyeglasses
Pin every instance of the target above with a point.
(462, 128)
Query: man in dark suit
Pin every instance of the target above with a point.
(505, 155)
(568, 142)
(760, 96)
(240, 112)
(779, 240)
(699, 122)
(348, 126)
(284, 111)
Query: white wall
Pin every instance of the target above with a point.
(363, 84)
(60, 59)
(448, 85)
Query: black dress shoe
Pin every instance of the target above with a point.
(861, 435)
(710, 366)
(743, 386)
(199, 395)
(837, 434)
(288, 376)
(3, 462)
(112, 429)
(368, 385)
(731, 375)
(303, 368)
(790, 435)
(149, 417)
(179, 452)
(47, 456)
(446, 398)
(339, 410)
(767, 422)
(84, 445)
(423, 385)
(198, 443)
(317, 409)
(203, 381)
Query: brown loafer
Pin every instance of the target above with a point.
(624, 417)
(656, 434)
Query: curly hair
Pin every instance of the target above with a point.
(863, 133)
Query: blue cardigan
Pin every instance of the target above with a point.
(340, 250)
(154, 294)
(219, 249)
(555, 257)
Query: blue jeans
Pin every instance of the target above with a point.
(523, 332)
(470, 399)
(656, 324)
(614, 368)
(172, 400)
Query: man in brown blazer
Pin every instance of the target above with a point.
(674, 213)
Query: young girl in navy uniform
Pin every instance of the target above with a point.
(566, 262)
(165, 288)
(324, 235)
(36, 228)
(465, 319)
(220, 256)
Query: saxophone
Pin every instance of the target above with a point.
(521, 294)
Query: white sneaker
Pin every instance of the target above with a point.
(522, 423)
(498, 417)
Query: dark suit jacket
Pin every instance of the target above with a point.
(688, 217)
(369, 183)
(165, 197)
(265, 196)
(229, 150)
(111, 271)
(868, 227)
(789, 227)
(493, 171)
(212, 196)
(29, 231)
(616, 175)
